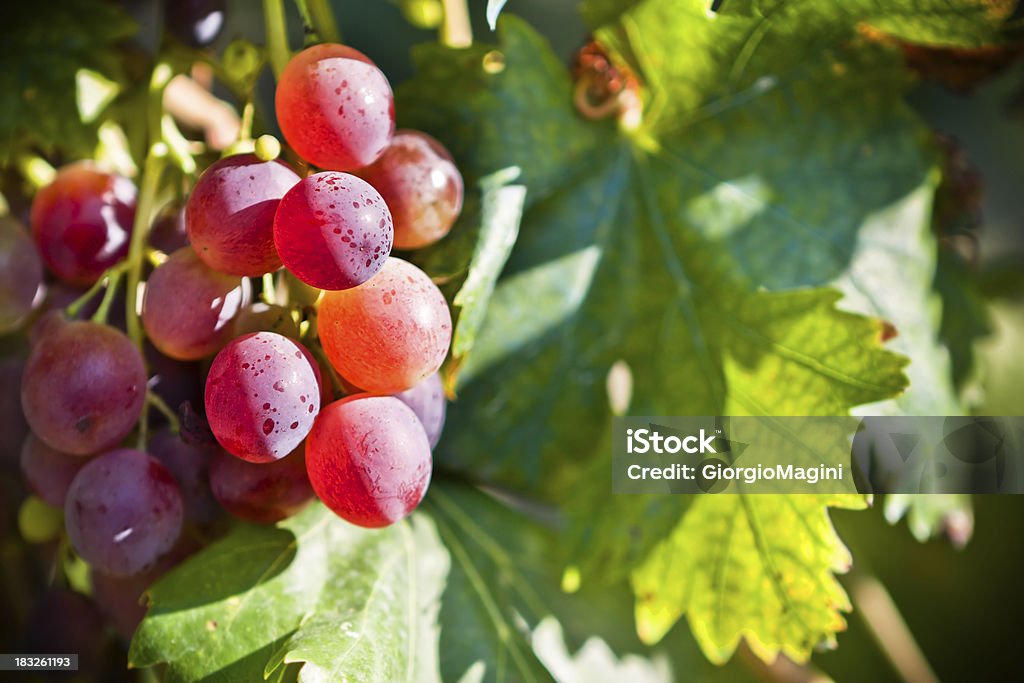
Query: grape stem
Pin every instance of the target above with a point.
(318, 16)
(114, 279)
(105, 280)
(155, 401)
(277, 35)
(156, 160)
(456, 31)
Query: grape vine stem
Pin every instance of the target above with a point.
(456, 31)
(277, 35)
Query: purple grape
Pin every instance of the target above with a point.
(188, 307)
(261, 492)
(428, 402)
(174, 381)
(83, 388)
(261, 396)
(195, 22)
(123, 512)
(190, 467)
(49, 472)
(21, 275)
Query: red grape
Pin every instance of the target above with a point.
(422, 187)
(333, 230)
(83, 388)
(174, 381)
(47, 471)
(427, 400)
(123, 511)
(21, 275)
(189, 466)
(82, 222)
(335, 107)
(261, 396)
(368, 459)
(187, 308)
(388, 334)
(230, 214)
(263, 493)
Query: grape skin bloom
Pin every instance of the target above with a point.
(123, 512)
(261, 396)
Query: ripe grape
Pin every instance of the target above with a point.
(123, 511)
(47, 471)
(13, 428)
(187, 308)
(422, 187)
(263, 493)
(82, 222)
(388, 334)
(83, 387)
(21, 275)
(261, 396)
(335, 107)
(428, 402)
(230, 214)
(333, 230)
(369, 459)
(195, 22)
(189, 466)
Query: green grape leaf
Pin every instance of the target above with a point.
(696, 248)
(314, 592)
(755, 566)
(58, 69)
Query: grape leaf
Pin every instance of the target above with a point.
(341, 601)
(693, 248)
(44, 54)
(751, 566)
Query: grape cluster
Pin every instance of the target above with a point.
(281, 352)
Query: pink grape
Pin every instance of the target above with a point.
(83, 387)
(123, 512)
(263, 493)
(188, 308)
(230, 214)
(421, 185)
(369, 460)
(82, 222)
(335, 107)
(388, 334)
(333, 231)
(261, 396)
